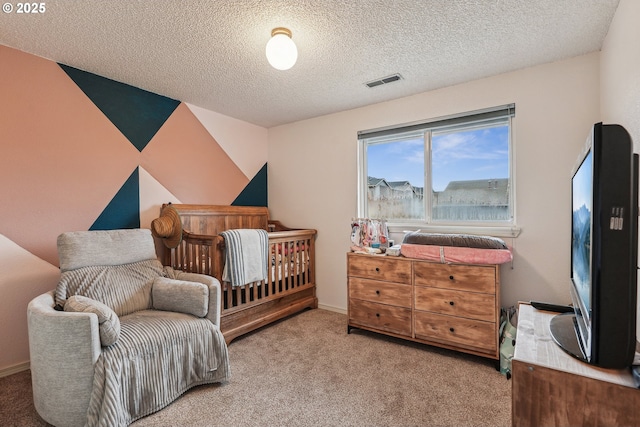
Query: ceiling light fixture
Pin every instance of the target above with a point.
(282, 52)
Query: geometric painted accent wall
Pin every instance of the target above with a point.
(137, 113)
(77, 167)
(123, 211)
(84, 152)
(255, 193)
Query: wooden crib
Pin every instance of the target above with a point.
(290, 286)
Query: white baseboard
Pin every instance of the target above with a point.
(5, 372)
(332, 308)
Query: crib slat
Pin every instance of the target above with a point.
(229, 294)
(296, 264)
(284, 277)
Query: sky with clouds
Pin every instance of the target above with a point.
(459, 156)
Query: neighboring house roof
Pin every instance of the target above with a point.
(490, 191)
(373, 182)
(395, 185)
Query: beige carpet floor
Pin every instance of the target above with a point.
(307, 371)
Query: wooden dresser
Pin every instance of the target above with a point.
(455, 306)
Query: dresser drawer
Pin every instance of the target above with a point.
(379, 268)
(461, 277)
(384, 317)
(380, 292)
(470, 305)
(456, 331)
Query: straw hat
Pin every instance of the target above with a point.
(168, 227)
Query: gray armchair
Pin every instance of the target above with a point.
(100, 343)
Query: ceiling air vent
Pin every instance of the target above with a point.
(389, 79)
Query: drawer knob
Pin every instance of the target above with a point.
(450, 277)
(377, 292)
(451, 303)
(377, 314)
(452, 330)
(377, 269)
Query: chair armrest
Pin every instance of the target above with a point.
(63, 349)
(215, 293)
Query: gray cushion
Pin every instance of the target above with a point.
(108, 321)
(78, 249)
(181, 296)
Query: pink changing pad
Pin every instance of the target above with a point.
(456, 248)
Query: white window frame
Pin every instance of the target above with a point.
(483, 117)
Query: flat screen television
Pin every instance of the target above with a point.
(604, 250)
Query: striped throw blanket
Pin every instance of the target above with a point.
(246, 257)
(125, 288)
(159, 356)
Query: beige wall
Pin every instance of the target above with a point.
(620, 70)
(313, 169)
(620, 74)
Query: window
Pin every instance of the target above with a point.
(448, 173)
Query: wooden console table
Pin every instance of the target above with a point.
(551, 388)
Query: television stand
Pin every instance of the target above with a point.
(563, 331)
(551, 388)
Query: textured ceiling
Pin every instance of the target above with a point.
(211, 53)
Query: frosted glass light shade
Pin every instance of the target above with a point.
(281, 51)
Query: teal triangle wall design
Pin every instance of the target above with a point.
(137, 113)
(255, 193)
(124, 209)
